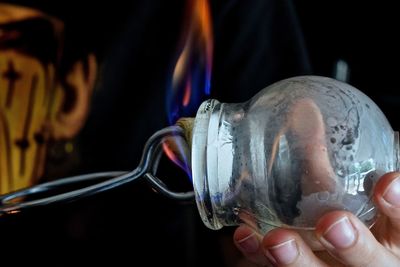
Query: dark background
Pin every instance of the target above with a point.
(256, 43)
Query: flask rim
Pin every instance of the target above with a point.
(202, 190)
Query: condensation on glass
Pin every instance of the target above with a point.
(296, 150)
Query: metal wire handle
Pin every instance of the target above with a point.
(15, 201)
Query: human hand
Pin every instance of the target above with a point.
(344, 239)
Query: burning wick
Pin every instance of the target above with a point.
(186, 123)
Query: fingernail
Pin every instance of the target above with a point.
(249, 244)
(284, 253)
(340, 234)
(392, 193)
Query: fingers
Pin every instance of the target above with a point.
(280, 247)
(249, 243)
(345, 237)
(387, 198)
(342, 234)
(350, 241)
(387, 195)
(286, 248)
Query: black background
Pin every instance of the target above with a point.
(256, 43)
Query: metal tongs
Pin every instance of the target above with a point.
(17, 201)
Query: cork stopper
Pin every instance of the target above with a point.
(186, 123)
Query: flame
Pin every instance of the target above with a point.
(177, 152)
(191, 76)
(192, 73)
(186, 96)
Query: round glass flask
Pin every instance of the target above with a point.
(300, 148)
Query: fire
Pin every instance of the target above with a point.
(191, 76)
(192, 73)
(177, 152)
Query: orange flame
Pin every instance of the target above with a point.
(200, 31)
(178, 153)
(192, 73)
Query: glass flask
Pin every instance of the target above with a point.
(300, 148)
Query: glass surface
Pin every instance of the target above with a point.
(296, 150)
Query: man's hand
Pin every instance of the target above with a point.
(345, 239)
